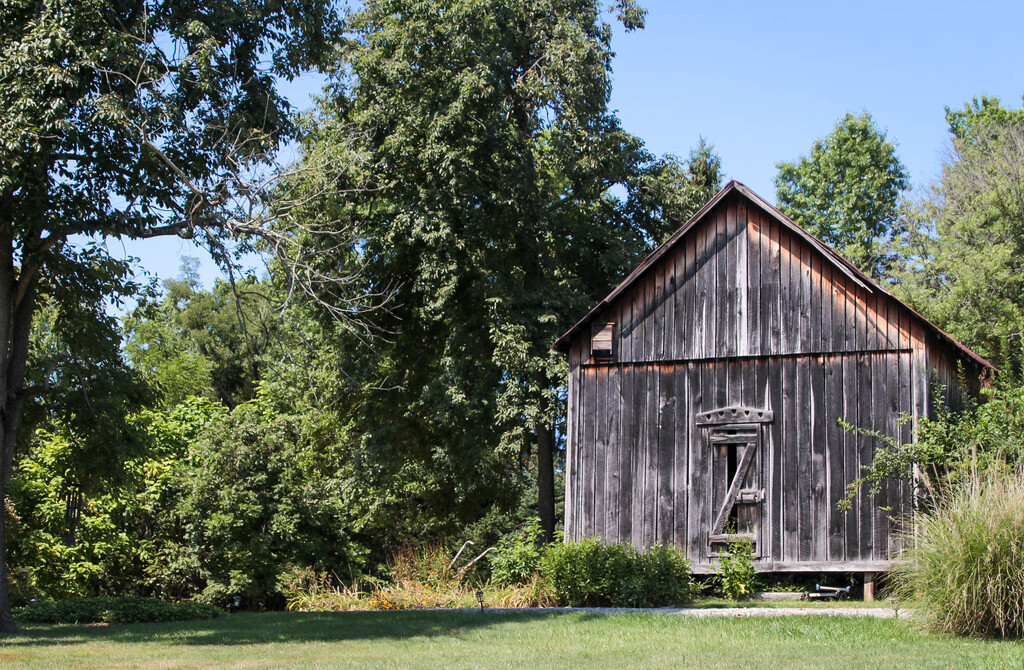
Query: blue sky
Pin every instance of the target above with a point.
(761, 81)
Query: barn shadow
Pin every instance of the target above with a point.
(285, 627)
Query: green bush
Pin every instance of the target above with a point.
(592, 574)
(735, 574)
(965, 561)
(112, 610)
(518, 554)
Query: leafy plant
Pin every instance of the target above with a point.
(735, 572)
(590, 573)
(518, 556)
(112, 610)
(965, 559)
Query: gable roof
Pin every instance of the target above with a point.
(846, 267)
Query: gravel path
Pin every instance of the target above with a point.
(737, 612)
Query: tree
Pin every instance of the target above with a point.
(489, 153)
(190, 341)
(138, 118)
(964, 251)
(846, 192)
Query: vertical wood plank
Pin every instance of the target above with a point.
(601, 444)
(699, 471)
(728, 305)
(820, 511)
(640, 397)
(775, 343)
(627, 451)
(651, 478)
(750, 282)
(865, 415)
(666, 453)
(835, 463)
(790, 456)
(681, 456)
(776, 442)
(613, 506)
(804, 483)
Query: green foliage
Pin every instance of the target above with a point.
(735, 572)
(518, 554)
(951, 446)
(964, 253)
(480, 159)
(194, 342)
(257, 497)
(846, 192)
(112, 610)
(590, 573)
(965, 559)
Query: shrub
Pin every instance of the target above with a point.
(735, 573)
(966, 559)
(518, 554)
(592, 574)
(112, 610)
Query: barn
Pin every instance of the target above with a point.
(705, 394)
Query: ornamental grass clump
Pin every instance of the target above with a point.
(965, 560)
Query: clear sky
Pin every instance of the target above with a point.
(762, 80)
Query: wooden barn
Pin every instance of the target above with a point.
(704, 394)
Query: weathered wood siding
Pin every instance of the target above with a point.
(743, 311)
(639, 468)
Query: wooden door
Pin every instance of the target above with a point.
(737, 498)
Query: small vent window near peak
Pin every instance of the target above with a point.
(602, 342)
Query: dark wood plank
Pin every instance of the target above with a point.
(613, 493)
(600, 450)
(851, 450)
(865, 416)
(885, 396)
(681, 457)
(587, 471)
(657, 311)
(820, 521)
(728, 308)
(806, 300)
(827, 307)
(702, 306)
(640, 428)
(627, 452)
(776, 464)
(699, 470)
(666, 453)
(835, 458)
(816, 300)
(749, 281)
(803, 437)
(774, 300)
(790, 457)
(651, 478)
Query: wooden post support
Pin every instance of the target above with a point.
(869, 587)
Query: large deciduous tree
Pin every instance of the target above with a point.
(846, 192)
(965, 251)
(134, 118)
(487, 155)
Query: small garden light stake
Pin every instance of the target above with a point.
(480, 599)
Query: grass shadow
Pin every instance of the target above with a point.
(276, 627)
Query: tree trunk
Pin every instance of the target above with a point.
(17, 304)
(545, 468)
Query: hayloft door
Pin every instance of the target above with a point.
(736, 492)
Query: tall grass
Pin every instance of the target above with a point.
(422, 577)
(965, 561)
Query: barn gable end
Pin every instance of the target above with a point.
(742, 310)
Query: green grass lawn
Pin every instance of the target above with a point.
(526, 639)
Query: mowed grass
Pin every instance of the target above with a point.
(410, 639)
